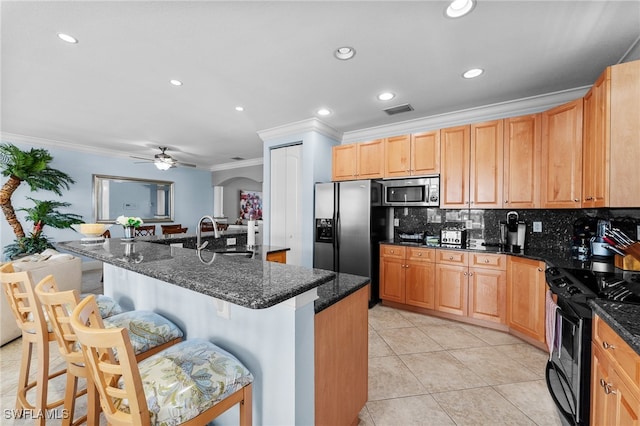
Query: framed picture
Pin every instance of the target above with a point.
(250, 205)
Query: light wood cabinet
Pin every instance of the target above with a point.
(486, 165)
(363, 160)
(455, 145)
(615, 379)
(277, 256)
(522, 144)
(488, 287)
(526, 288)
(412, 155)
(451, 288)
(407, 275)
(611, 138)
(471, 164)
(595, 144)
(561, 179)
(341, 360)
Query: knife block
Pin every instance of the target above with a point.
(627, 263)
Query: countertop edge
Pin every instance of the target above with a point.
(618, 317)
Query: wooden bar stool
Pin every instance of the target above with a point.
(28, 313)
(164, 388)
(152, 333)
(174, 230)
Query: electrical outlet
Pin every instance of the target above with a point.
(231, 241)
(537, 226)
(396, 222)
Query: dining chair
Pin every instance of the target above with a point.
(168, 231)
(166, 388)
(145, 230)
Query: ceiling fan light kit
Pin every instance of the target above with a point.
(161, 165)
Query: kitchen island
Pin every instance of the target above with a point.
(262, 312)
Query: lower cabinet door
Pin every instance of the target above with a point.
(451, 289)
(487, 294)
(392, 276)
(420, 281)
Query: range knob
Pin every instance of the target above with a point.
(573, 290)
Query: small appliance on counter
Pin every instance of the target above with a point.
(584, 229)
(513, 233)
(453, 238)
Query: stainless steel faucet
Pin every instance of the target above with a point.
(216, 234)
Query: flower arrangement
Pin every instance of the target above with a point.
(127, 221)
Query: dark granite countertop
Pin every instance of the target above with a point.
(337, 289)
(622, 317)
(243, 281)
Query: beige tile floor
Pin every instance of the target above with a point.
(422, 371)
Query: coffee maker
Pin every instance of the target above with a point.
(512, 233)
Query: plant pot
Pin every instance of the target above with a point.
(129, 232)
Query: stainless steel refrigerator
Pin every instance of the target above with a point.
(350, 222)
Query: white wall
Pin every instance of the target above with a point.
(193, 190)
(316, 167)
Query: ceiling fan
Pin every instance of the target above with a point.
(164, 161)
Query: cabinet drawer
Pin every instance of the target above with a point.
(617, 350)
(421, 254)
(491, 261)
(452, 257)
(392, 251)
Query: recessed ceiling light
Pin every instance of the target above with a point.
(239, 108)
(344, 53)
(459, 8)
(323, 111)
(386, 96)
(473, 73)
(67, 38)
(176, 82)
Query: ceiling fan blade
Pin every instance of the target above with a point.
(142, 158)
(180, 163)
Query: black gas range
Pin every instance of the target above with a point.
(579, 285)
(568, 372)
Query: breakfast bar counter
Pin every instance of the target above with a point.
(262, 312)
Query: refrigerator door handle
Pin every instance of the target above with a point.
(337, 234)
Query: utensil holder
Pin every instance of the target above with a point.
(627, 263)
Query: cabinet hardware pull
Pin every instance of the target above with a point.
(465, 274)
(450, 257)
(486, 261)
(576, 200)
(470, 274)
(539, 270)
(419, 254)
(607, 345)
(603, 383)
(608, 389)
(506, 201)
(588, 199)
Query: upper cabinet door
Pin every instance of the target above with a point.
(425, 153)
(370, 159)
(624, 189)
(486, 164)
(454, 167)
(562, 156)
(344, 162)
(595, 144)
(522, 143)
(397, 156)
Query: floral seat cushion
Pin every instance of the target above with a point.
(186, 379)
(147, 329)
(107, 306)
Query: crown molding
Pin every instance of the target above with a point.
(31, 140)
(303, 126)
(495, 111)
(237, 164)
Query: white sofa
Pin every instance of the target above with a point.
(66, 269)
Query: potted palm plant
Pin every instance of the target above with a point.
(33, 168)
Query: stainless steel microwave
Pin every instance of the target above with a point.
(423, 191)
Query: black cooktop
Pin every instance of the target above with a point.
(616, 286)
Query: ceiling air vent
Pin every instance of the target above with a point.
(237, 158)
(398, 109)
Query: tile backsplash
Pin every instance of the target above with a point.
(557, 225)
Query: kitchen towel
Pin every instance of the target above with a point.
(550, 324)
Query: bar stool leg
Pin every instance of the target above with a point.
(43, 383)
(23, 379)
